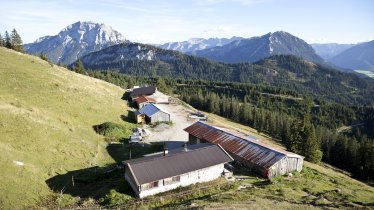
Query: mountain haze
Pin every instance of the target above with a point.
(359, 57)
(195, 44)
(329, 50)
(75, 41)
(256, 48)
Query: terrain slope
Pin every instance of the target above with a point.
(46, 118)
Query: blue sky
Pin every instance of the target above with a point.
(159, 21)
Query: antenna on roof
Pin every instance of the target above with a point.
(165, 150)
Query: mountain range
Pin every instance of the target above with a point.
(329, 50)
(358, 57)
(196, 44)
(284, 71)
(75, 41)
(256, 48)
(83, 38)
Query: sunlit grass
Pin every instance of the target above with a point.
(46, 119)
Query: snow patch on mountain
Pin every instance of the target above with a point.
(195, 44)
(75, 41)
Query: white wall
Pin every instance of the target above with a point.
(203, 175)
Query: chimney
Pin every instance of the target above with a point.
(185, 147)
(165, 151)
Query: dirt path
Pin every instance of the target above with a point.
(179, 116)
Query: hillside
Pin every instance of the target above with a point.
(46, 119)
(284, 71)
(257, 48)
(74, 41)
(359, 57)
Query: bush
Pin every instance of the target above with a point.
(116, 198)
(112, 131)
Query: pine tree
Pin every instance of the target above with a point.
(7, 40)
(294, 141)
(310, 147)
(78, 67)
(161, 85)
(16, 41)
(303, 140)
(43, 56)
(1, 41)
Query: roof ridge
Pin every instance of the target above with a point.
(171, 155)
(249, 140)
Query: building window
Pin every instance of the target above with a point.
(172, 180)
(150, 185)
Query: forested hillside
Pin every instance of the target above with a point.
(283, 71)
(304, 124)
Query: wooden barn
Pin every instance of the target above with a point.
(151, 113)
(180, 167)
(247, 150)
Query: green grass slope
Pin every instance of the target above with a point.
(46, 119)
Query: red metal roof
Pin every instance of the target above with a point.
(246, 147)
(143, 99)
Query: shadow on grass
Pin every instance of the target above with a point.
(126, 96)
(96, 182)
(130, 117)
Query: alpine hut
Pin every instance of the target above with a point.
(142, 91)
(152, 113)
(247, 150)
(158, 173)
(144, 100)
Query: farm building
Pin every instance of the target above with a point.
(144, 100)
(151, 113)
(180, 167)
(247, 150)
(142, 91)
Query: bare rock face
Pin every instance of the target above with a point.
(75, 41)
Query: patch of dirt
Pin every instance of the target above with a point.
(179, 117)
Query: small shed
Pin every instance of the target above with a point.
(166, 171)
(247, 150)
(152, 113)
(141, 101)
(139, 117)
(142, 91)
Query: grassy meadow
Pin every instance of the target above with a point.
(46, 119)
(47, 114)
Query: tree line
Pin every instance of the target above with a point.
(305, 125)
(12, 41)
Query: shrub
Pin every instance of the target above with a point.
(116, 198)
(112, 130)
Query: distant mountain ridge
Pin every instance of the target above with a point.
(195, 44)
(257, 48)
(358, 57)
(286, 71)
(329, 50)
(74, 41)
